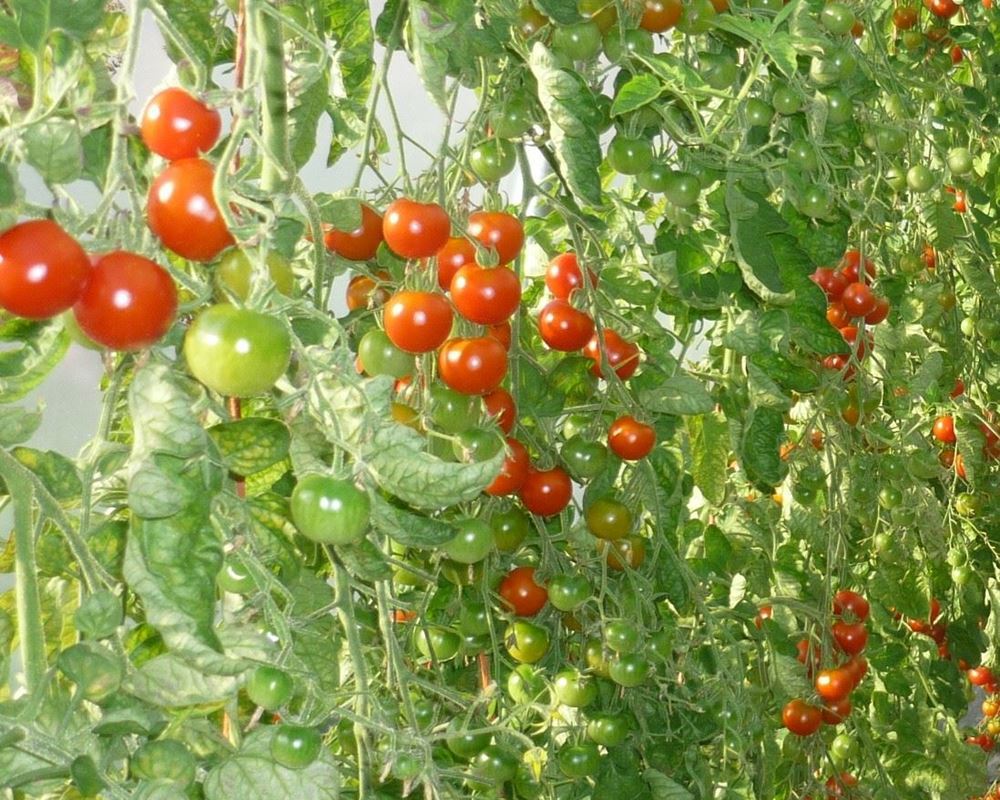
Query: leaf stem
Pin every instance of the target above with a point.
(29, 603)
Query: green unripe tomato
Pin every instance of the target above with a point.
(630, 156)
(437, 643)
(895, 177)
(579, 41)
(655, 178)
(608, 730)
(629, 670)
(573, 688)
(526, 642)
(619, 46)
(920, 179)
(837, 18)
(698, 17)
(514, 118)
(843, 749)
(802, 155)
(683, 189)
(379, 356)
(234, 577)
(492, 159)
(330, 511)
(494, 764)
(719, 71)
(510, 528)
(463, 743)
(526, 684)
(164, 760)
(584, 459)
(759, 114)
(622, 636)
(236, 351)
(839, 107)
(234, 275)
(568, 592)
(960, 161)
(295, 746)
(472, 543)
(578, 761)
(476, 444)
(786, 101)
(816, 202)
(890, 140)
(269, 687)
(451, 411)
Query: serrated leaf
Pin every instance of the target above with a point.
(343, 213)
(680, 394)
(251, 444)
(709, 437)
(365, 561)
(54, 147)
(664, 788)
(759, 451)
(406, 528)
(637, 92)
(29, 351)
(307, 108)
(169, 682)
(751, 221)
(428, 27)
(197, 21)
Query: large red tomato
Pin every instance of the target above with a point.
(497, 230)
(563, 327)
(177, 125)
(182, 211)
(622, 356)
(415, 230)
(417, 322)
(128, 303)
(42, 269)
(474, 365)
(362, 243)
(487, 295)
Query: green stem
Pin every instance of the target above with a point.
(277, 166)
(29, 603)
(192, 60)
(345, 610)
(40, 774)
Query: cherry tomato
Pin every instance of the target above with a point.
(563, 327)
(415, 230)
(128, 302)
(436, 643)
(236, 351)
(499, 231)
(495, 765)
(177, 125)
(584, 460)
(980, 676)
(574, 689)
(837, 315)
(493, 159)
(628, 552)
(608, 519)
(379, 356)
(630, 155)
(568, 592)
(847, 602)
(546, 492)
(164, 760)
(660, 15)
(269, 687)
(944, 429)
(579, 761)
(526, 642)
(527, 684)
(801, 718)
(456, 253)
(943, 9)
(472, 543)
(563, 276)
(837, 18)
(904, 17)
(487, 295)
(234, 274)
(851, 637)
(417, 322)
(362, 243)
(858, 299)
(500, 406)
(182, 212)
(629, 670)
(329, 510)
(514, 471)
(42, 269)
(464, 744)
(831, 282)
(608, 730)
(834, 685)
(621, 356)
(474, 365)
(363, 291)
(510, 528)
(520, 592)
(630, 439)
(879, 313)
(295, 746)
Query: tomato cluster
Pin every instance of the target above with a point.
(833, 684)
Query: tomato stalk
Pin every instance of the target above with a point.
(276, 169)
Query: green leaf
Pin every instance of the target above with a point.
(709, 437)
(199, 23)
(406, 528)
(56, 472)
(562, 12)
(168, 681)
(29, 351)
(251, 444)
(636, 93)
(55, 148)
(428, 27)
(307, 109)
(785, 372)
(10, 189)
(343, 213)
(99, 615)
(752, 220)
(17, 424)
(790, 676)
(759, 451)
(365, 561)
(680, 394)
(252, 774)
(764, 391)
(573, 113)
(664, 788)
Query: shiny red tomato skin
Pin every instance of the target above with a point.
(630, 439)
(837, 711)
(850, 266)
(178, 125)
(944, 429)
(846, 601)
(417, 322)
(547, 492)
(563, 276)
(415, 230)
(833, 685)
(661, 15)
(502, 332)
(497, 230)
(943, 9)
(879, 313)
(850, 637)
(858, 299)
(520, 592)
(563, 327)
(474, 365)
(42, 269)
(129, 302)
(500, 405)
(486, 295)
(362, 243)
(182, 211)
(622, 356)
(831, 282)
(457, 252)
(513, 473)
(801, 718)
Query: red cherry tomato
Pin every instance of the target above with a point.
(563, 276)
(850, 266)
(520, 592)
(830, 281)
(660, 15)
(834, 685)
(858, 299)
(547, 492)
(837, 315)
(801, 718)
(474, 365)
(177, 125)
(944, 429)
(980, 676)
(487, 295)
(42, 269)
(182, 212)
(500, 406)
(847, 602)
(943, 9)
(851, 637)
(622, 356)
(129, 302)
(563, 327)
(497, 230)
(501, 332)
(415, 230)
(836, 711)
(866, 343)
(630, 439)
(417, 322)
(456, 253)
(879, 313)
(514, 471)
(362, 243)
(857, 668)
